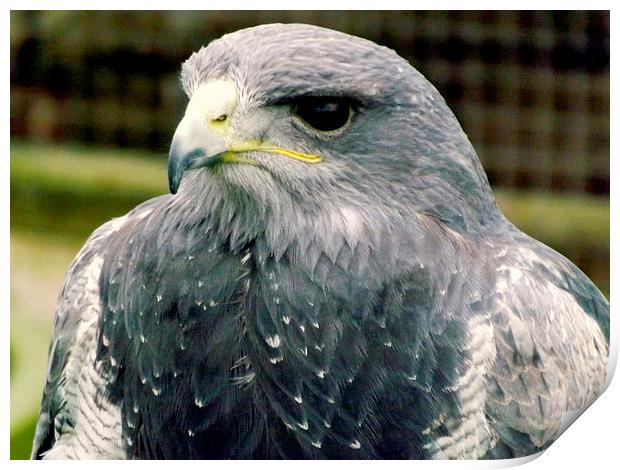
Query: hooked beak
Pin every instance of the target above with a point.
(192, 147)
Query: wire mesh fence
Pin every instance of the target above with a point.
(531, 89)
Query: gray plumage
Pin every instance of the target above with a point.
(373, 304)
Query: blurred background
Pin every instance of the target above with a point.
(95, 99)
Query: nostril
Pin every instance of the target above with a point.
(221, 118)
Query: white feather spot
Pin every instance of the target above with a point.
(273, 341)
(117, 223)
(286, 319)
(199, 403)
(355, 444)
(298, 399)
(159, 297)
(316, 444)
(275, 360)
(303, 425)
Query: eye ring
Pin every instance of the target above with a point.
(327, 116)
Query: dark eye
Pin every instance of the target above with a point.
(323, 114)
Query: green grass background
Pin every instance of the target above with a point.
(60, 193)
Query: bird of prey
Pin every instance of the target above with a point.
(330, 277)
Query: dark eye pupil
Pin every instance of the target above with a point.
(324, 114)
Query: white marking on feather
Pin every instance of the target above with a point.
(273, 341)
(303, 425)
(298, 399)
(469, 434)
(97, 429)
(275, 360)
(286, 319)
(116, 224)
(244, 379)
(316, 444)
(355, 444)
